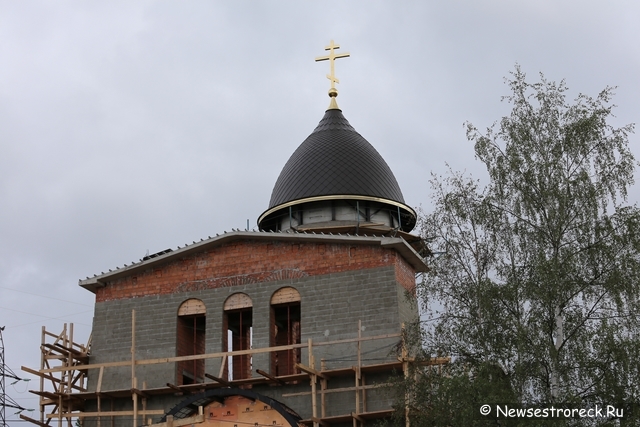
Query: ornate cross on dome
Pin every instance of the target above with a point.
(333, 92)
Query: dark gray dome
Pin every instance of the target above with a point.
(335, 163)
(335, 160)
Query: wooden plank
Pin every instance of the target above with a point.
(79, 376)
(136, 412)
(338, 390)
(43, 363)
(175, 387)
(46, 402)
(176, 359)
(316, 421)
(70, 350)
(144, 399)
(348, 340)
(134, 379)
(133, 348)
(271, 377)
(357, 370)
(285, 295)
(257, 380)
(31, 420)
(54, 357)
(376, 414)
(348, 417)
(218, 380)
(106, 414)
(405, 370)
(314, 383)
(56, 336)
(328, 420)
(109, 395)
(364, 392)
(47, 394)
(309, 370)
(99, 386)
(323, 387)
(238, 301)
(39, 374)
(181, 422)
(212, 355)
(139, 392)
(171, 422)
(191, 307)
(223, 363)
(79, 357)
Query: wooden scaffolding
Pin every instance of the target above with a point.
(64, 367)
(61, 375)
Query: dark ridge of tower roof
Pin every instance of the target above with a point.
(335, 160)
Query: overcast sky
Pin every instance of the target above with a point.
(128, 127)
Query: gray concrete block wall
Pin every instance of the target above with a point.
(331, 306)
(407, 306)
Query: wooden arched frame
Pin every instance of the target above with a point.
(213, 399)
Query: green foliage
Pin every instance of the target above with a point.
(536, 294)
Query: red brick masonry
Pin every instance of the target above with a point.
(250, 261)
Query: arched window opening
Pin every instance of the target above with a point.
(237, 334)
(285, 330)
(191, 341)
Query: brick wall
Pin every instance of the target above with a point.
(249, 261)
(405, 274)
(339, 284)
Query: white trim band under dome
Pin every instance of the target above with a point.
(394, 214)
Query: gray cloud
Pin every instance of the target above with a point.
(135, 126)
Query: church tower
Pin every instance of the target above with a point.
(297, 324)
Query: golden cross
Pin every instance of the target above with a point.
(332, 57)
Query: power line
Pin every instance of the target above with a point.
(6, 372)
(45, 317)
(45, 296)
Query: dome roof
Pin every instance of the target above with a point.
(335, 160)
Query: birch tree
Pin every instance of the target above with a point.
(535, 291)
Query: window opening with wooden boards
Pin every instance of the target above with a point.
(237, 334)
(285, 330)
(191, 330)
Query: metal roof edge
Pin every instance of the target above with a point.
(397, 243)
(408, 253)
